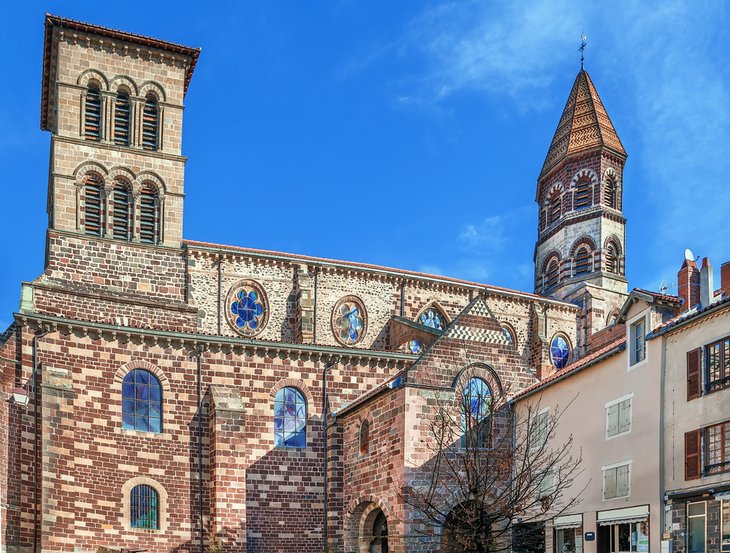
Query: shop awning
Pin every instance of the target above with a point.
(630, 514)
(568, 521)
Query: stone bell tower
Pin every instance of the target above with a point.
(581, 247)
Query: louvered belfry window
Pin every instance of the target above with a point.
(554, 208)
(583, 194)
(92, 114)
(149, 216)
(609, 193)
(121, 212)
(93, 206)
(582, 261)
(551, 278)
(122, 118)
(611, 260)
(150, 123)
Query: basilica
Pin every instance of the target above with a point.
(170, 394)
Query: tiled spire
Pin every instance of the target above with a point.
(584, 125)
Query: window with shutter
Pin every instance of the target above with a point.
(692, 455)
(622, 481)
(611, 259)
(717, 374)
(554, 208)
(609, 483)
(583, 194)
(612, 420)
(582, 261)
(624, 416)
(552, 276)
(609, 193)
(121, 212)
(93, 217)
(92, 114)
(150, 125)
(694, 380)
(122, 120)
(149, 216)
(616, 481)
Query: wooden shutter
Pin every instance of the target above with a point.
(694, 380)
(692, 468)
(612, 421)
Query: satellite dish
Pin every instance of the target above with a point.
(688, 255)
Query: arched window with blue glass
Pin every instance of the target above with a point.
(144, 508)
(431, 317)
(559, 351)
(290, 418)
(476, 411)
(141, 401)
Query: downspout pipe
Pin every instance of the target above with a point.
(36, 435)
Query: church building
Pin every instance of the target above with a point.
(165, 394)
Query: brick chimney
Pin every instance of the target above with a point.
(688, 284)
(725, 278)
(707, 285)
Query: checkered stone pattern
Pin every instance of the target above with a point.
(477, 334)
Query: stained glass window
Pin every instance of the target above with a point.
(509, 334)
(141, 401)
(477, 402)
(349, 321)
(248, 310)
(415, 346)
(559, 351)
(290, 418)
(144, 508)
(433, 318)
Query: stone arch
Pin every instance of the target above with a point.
(121, 173)
(552, 254)
(299, 385)
(556, 188)
(123, 83)
(590, 174)
(359, 516)
(613, 239)
(583, 240)
(154, 179)
(126, 503)
(478, 370)
(612, 316)
(156, 89)
(92, 75)
(90, 167)
(154, 369)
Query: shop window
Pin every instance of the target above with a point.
(625, 537)
(528, 538)
(569, 540)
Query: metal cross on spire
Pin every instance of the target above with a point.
(583, 42)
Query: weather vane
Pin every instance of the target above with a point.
(583, 39)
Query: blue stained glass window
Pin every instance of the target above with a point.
(290, 418)
(559, 352)
(248, 311)
(477, 402)
(141, 401)
(350, 322)
(433, 318)
(415, 346)
(144, 508)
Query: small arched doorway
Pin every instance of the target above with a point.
(379, 542)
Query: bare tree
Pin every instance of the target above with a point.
(494, 475)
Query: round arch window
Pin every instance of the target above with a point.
(247, 308)
(559, 351)
(349, 321)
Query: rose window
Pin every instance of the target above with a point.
(559, 351)
(349, 321)
(247, 308)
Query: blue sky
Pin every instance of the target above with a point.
(407, 134)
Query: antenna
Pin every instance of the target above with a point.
(688, 255)
(583, 42)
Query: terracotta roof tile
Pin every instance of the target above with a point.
(578, 365)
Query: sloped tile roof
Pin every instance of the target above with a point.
(606, 351)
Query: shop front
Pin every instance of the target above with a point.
(623, 530)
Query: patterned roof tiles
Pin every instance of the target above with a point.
(584, 125)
